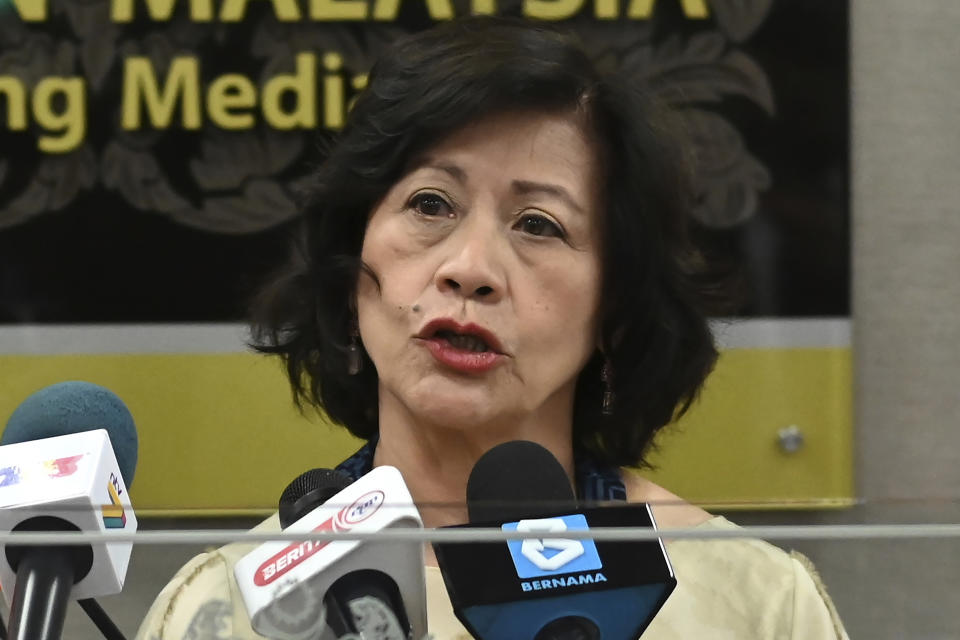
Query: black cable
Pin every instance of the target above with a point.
(100, 618)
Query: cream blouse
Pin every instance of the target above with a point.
(727, 589)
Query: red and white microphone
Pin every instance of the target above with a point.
(303, 590)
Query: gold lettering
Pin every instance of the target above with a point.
(551, 9)
(386, 10)
(231, 91)
(139, 79)
(643, 9)
(303, 85)
(31, 10)
(359, 82)
(484, 7)
(607, 9)
(122, 10)
(333, 92)
(236, 10)
(338, 10)
(12, 87)
(71, 121)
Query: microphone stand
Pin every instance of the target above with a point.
(100, 618)
(41, 595)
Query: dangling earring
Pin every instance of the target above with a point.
(606, 377)
(354, 360)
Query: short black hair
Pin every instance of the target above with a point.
(656, 288)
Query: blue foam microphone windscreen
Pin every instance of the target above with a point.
(74, 407)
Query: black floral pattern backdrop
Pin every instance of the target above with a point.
(177, 223)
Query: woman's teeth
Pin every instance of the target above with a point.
(467, 343)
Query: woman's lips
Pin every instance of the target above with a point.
(463, 360)
(434, 327)
(435, 338)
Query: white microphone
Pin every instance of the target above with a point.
(68, 454)
(284, 584)
(74, 480)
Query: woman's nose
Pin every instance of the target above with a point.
(472, 268)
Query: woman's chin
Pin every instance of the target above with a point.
(459, 411)
(458, 418)
(434, 397)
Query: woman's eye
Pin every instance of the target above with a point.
(539, 226)
(430, 204)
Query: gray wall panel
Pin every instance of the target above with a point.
(906, 217)
(906, 336)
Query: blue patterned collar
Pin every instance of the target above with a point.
(594, 483)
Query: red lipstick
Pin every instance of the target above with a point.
(468, 348)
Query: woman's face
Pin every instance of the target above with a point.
(488, 257)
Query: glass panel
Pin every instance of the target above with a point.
(886, 582)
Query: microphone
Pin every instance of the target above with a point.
(67, 456)
(327, 589)
(308, 491)
(362, 602)
(548, 587)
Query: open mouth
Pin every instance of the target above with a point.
(467, 348)
(466, 342)
(468, 337)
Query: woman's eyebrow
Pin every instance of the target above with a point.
(453, 170)
(524, 187)
(520, 187)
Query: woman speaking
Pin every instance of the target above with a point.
(495, 249)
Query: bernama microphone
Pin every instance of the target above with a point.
(547, 587)
(67, 457)
(305, 590)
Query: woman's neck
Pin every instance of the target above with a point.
(436, 461)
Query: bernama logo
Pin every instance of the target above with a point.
(563, 581)
(295, 553)
(546, 554)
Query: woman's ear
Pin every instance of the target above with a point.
(598, 340)
(605, 341)
(352, 303)
(608, 342)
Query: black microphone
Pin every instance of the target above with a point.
(308, 491)
(548, 587)
(516, 480)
